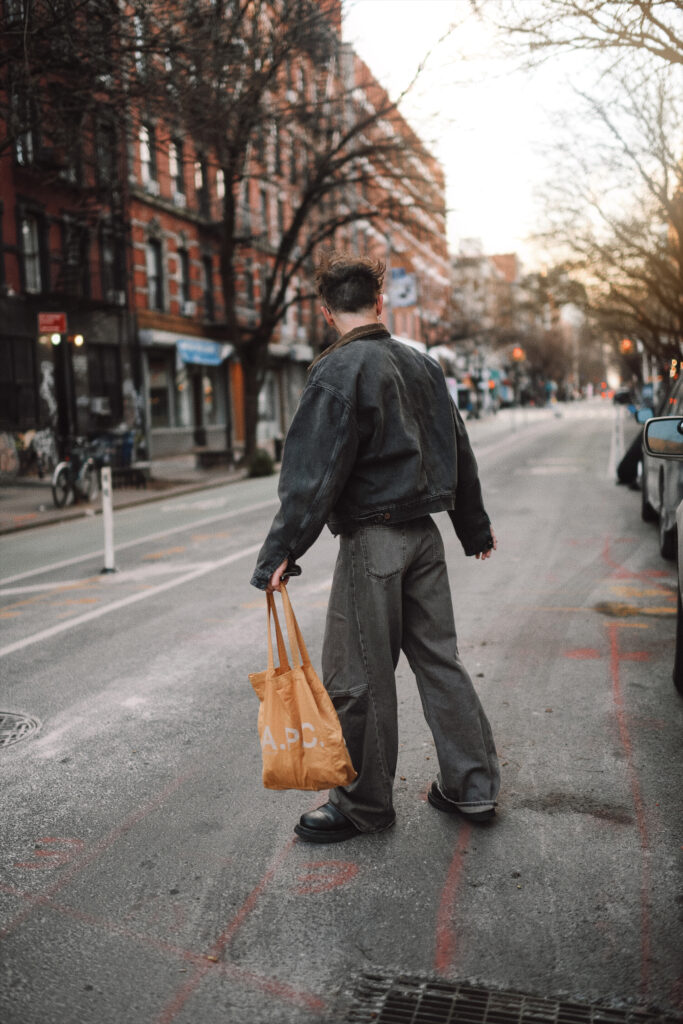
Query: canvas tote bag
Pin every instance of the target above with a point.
(301, 739)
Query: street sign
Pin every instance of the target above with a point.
(402, 287)
(52, 323)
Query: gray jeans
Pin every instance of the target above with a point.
(390, 592)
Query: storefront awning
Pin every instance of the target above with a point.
(202, 351)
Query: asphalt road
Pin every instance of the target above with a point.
(147, 878)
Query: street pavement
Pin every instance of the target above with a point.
(146, 875)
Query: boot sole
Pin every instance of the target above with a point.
(315, 835)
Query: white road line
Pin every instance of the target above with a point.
(142, 540)
(62, 627)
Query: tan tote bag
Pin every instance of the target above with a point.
(301, 739)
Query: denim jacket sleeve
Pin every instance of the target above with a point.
(318, 457)
(472, 525)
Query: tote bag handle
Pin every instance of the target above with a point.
(281, 646)
(296, 640)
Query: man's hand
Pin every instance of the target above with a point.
(487, 554)
(274, 581)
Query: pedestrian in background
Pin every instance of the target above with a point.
(376, 446)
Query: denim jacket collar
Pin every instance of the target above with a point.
(377, 330)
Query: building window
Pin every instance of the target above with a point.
(23, 113)
(148, 154)
(112, 264)
(249, 287)
(155, 292)
(184, 274)
(31, 253)
(175, 164)
(105, 153)
(220, 184)
(74, 278)
(209, 307)
(264, 211)
(18, 391)
(201, 183)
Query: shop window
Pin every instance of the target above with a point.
(267, 400)
(161, 380)
(212, 396)
(104, 378)
(155, 292)
(31, 253)
(18, 391)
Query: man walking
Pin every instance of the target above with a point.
(375, 447)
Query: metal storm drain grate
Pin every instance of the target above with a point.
(14, 728)
(377, 999)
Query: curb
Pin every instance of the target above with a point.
(89, 511)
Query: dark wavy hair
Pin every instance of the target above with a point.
(346, 283)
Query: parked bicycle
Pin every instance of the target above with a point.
(78, 475)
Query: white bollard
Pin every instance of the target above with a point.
(108, 518)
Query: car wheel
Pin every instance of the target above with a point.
(647, 513)
(678, 660)
(667, 540)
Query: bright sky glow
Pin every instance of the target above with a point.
(486, 121)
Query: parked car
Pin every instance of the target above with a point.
(663, 442)
(662, 480)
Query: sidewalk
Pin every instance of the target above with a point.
(27, 501)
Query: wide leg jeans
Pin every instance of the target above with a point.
(391, 592)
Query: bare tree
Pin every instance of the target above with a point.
(270, 94)
(650, 27)
(614, 209)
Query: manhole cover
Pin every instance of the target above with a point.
(378, 999)
(15, 727)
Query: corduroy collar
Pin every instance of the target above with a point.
(377, 330)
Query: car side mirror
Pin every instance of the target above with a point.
(663, 437)
(644, 414)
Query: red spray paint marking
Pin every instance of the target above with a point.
(324, 875)
(173, 1008)
(104, 844)
(625, 737)
(445, 935)
(278, 988)
(582, 653)
(619, 570)
(61, 851)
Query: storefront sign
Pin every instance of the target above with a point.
(52, 323)
(200, 350)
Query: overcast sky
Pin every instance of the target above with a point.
(487, 122)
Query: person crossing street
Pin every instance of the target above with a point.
(375, 448)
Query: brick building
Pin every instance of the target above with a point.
(127, 245)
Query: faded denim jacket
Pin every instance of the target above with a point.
(376, 438)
